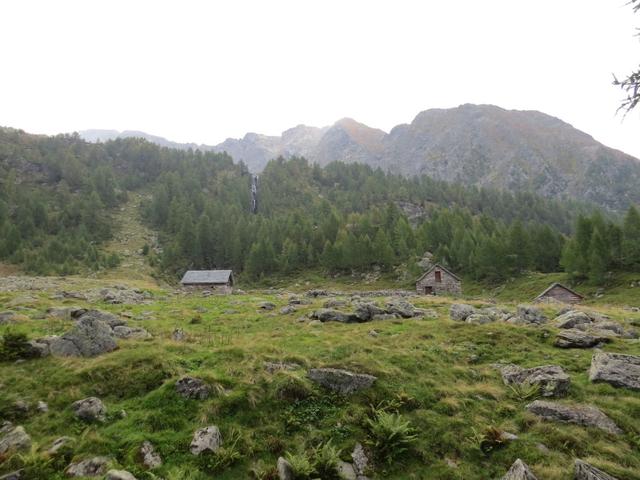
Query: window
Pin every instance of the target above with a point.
(438, 276)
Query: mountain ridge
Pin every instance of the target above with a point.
(482, 145)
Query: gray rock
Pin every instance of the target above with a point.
(287, 309)
(17, 475)
(552, 379)
(616, 369)
(285, 472)
(39, 349)
(341, 381)
(150, 457)
(208, 438)
(385, 316)
(91, 467)
(584, 415)
(401, 307)
(573, 338)
(478, 319)
(360, 460)
(266, 306)
(106, 317)
(90, 337)
(531, 314)
(137, 333)
(178, 335)
(334, 303)
(60, 347)
(119, 475)
(346, 471)
(58, 443)
(90, 410)
(42, 407)
(584, 471)
(367, 311)
(460, 311)
(571, 318)
(63, 313)
(519, 471)
(273, 367)
(7, 318)
(328, 315)
(15, 440)
(190, 387)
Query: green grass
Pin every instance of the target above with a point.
(434, 374)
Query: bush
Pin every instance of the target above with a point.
(326, 459)
(15, 346)
(300, 464)
(391, 435)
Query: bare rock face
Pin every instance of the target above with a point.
(584, 415)
(150, 457)
(573, 338)
(552, 379)
(341, 381)
(119, 475)
(285, 472)
(91, 467)
(208, 438)
(519, 471)
(190, 387)
(584, 471)
(622, 371)
(90, 409)
(15, 439)
(461, 311)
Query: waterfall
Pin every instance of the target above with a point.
(254, 194)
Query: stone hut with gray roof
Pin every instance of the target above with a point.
(220, 281)
(438, 281)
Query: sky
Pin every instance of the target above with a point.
(202, 71)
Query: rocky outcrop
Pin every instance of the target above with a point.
(91, 467)
(616, 369)
(461, 311)
(90, 410)
(341, 381)
(195, 388)
(14, 439)
(328, 315)
(584, 471)
(90, 337)
(206, 439)
(519, 471)
(551, 379)
(584, 415)
(574, 338)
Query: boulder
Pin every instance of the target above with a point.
(519, 471)
(42, 407)
(530, 314)
(571, 318)
(552, 379)
(150, 457)
(15, 439)
(208, 438)
(622, 371)
(360, 460)
(460, 311)
(91, 467)
(401, 307)
(584, 471)
(341, 381)
(106, 317)
(367, 311)
(385, 316)
(190, 387)
(334, 303)
(478, 319)
(328, 315)
(138, 333)
(346, 471)
(285, 471)
(119, 475)
(90, 337)
(573, 338)
(266, 306)
(17, 475)
(57, 444)
(178, 335)
(584, 415)
(287, 309)
(39, 349)
(90, 410)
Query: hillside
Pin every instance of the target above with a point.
(480, 145)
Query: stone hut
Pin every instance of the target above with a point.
(220, 281)
(559, 293)
(437, 281)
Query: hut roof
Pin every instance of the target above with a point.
(556, 284)
(441, 268)
(207, 276)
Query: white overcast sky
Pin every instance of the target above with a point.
(203, 71)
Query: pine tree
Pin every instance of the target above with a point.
(631, 239)
(598, 254)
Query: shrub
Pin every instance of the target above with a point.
(525, 392)
(391, 435)
(15, 346)
(300, 464)
(326, 459)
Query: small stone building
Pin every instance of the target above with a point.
(559, 293)
(220, 281)
(437, 281)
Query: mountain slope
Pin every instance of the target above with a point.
(481, 145)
